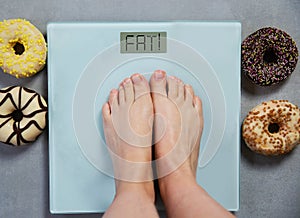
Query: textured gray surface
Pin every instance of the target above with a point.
(269, 187)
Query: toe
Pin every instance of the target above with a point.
(140, 86)
(113, 99)
(106, 115)
(180, 95)
(121, 95)
(172, 87)
(128, 87)
(188, 94)
(198, 106)
(158, 83)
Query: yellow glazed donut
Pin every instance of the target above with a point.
(22, 48)
(272, 128)
(23, 115)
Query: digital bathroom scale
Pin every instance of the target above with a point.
(87, 60)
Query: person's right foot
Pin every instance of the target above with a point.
(127, 124)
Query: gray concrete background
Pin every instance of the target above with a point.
(269, 186)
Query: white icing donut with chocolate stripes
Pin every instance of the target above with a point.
(23, 115)
(272, 128)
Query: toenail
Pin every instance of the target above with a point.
(136, 78)
(158, 75)
(113, 92)
(127, 80)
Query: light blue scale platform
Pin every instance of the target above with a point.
(87, 60)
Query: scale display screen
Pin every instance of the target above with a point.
(143, 42)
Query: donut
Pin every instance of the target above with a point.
(22, 48)
(23, 115)
(269, 56)
(272, 128)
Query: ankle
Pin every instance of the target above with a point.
(176, 182)
(142, 189)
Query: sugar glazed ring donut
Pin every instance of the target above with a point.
(22, 48)
(23, 115)
(269, 56)
(272, 128)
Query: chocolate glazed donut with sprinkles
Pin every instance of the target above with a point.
(23, 115)
(269, 56)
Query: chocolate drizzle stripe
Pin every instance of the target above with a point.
(28, 102)
(11, 135)
(19, 100)
(34, 113)
(8, 89)
(8, 96)
(5, 115)
(41, 103)
(28, 90)
(31, 122)
(18, 133)
(2, 124)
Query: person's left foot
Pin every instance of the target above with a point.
(178, 128)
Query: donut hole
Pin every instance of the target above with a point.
(17, 115)
(19, 48)
(270, 56)
(273, 128)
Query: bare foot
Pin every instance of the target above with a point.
(127, 124)
(178, 125)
